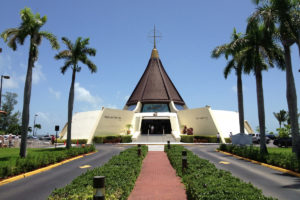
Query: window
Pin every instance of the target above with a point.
(179, 107)
(131, 107)
(155, 107)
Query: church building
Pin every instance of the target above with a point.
(154, 107)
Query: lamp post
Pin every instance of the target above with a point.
(34, 124)
(6, 77)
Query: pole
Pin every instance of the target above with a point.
(184, 161)
(99, 188)
(139, 150)
(34, 125)
(169, 144)
(1, 91)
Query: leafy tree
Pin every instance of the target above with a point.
(10, 118)
(29, 129)
(30, 26)
(72, 55)
(282, 17)
(37, 126)
(260, 52)
(233, 49)
(284, 131)
(281, 116)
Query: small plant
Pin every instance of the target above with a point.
(128, 126)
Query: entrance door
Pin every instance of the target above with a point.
(156, 126)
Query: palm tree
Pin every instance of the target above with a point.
(285, 16)
(281, 116)
(233, 49)
(30, 26)
(259, 53)
(75, 53)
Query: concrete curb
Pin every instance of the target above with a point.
(263, 164)
(27, 174)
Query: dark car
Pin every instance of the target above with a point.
(272, 137)
(283, 142)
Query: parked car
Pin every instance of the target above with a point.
(283, 142)
(271, 136)
(30, 137)
(45, 137)
(256, 138)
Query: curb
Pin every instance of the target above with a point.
(27, 174)
(263, 164)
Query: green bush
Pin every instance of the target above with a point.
(120, 173)
(40, 158)
(204, 181)
(278, 157)
(73, 141)
(228, 140)
(126, 138)
(187, 138)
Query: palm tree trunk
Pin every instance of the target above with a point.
(291, 97)
(261, 111)
(240, 99)
(70, 108)
(26, 103)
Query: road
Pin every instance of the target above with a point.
(272, 182)
(40, 186)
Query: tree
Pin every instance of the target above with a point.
(260, 52)
(30, 26)
(281, 116)
(75, 53)
(37, 126)
(283, 18)
(233, 49)
(10, 118)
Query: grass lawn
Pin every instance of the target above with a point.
(11, 164)
(279, 150)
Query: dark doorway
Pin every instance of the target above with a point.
(156, 126)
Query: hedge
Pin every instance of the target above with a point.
(120, 173)
(112, 139)
(204, 181)
(287, 160)
(198, 139)
(73, 141)
(41, 159)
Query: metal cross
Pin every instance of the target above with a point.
(155, 36)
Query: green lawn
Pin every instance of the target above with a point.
(11, 164)
(279, 150)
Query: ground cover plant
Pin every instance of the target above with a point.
(204, 181)
(11, 164)
(120, 173)
(200, 139)
(281, 157)
(112, 139)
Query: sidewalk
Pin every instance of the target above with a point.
(157, 180)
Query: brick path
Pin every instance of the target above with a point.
(157, 180)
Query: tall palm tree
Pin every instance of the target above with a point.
(30, 26)
(233, 49)
(281, 116)
(259, 53)
(72, 55)
(285, 16)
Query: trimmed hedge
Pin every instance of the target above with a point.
(73, 141)
(120, 173)
(198, 139)
(40, 159)
(287, 160)
(112, 139)
(204, 181)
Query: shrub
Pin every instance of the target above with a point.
(126, 139)
(112, 139)
(73, 141)
(40, 158)
(204, 181)
(120, 173)
(278, 157)
(198, 138)
(228, 140)
(187, 138)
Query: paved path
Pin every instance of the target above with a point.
(40, 186)
(157, 179)
(272, 182)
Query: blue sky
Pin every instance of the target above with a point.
(119, 31)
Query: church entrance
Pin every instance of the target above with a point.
(156, 126)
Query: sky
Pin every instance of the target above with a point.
(119, 31)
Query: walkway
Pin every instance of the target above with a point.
(157, 179)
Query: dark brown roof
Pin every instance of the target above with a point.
(155, 86)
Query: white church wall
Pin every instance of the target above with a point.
(200, 119)
(113, 122)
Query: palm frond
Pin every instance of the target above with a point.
(67, 64)
(92, 67)
(89, 51)
(66, 54)
(52, 39)
(230, 65)
(67, 42)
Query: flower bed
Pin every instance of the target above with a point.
(204, 181)
(112, 139)
(120, 173)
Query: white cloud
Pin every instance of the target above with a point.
(5, 62)
(55, 93)
(37, 74)
(83, 95)
(11, 83)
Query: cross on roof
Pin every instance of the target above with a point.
(155, 36)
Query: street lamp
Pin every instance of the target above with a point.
(34, 124)
(6, 77)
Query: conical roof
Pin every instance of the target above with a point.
(155, 86)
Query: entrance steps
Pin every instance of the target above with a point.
(157, 138)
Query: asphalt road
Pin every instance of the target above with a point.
(272, 182)
(40, 186)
